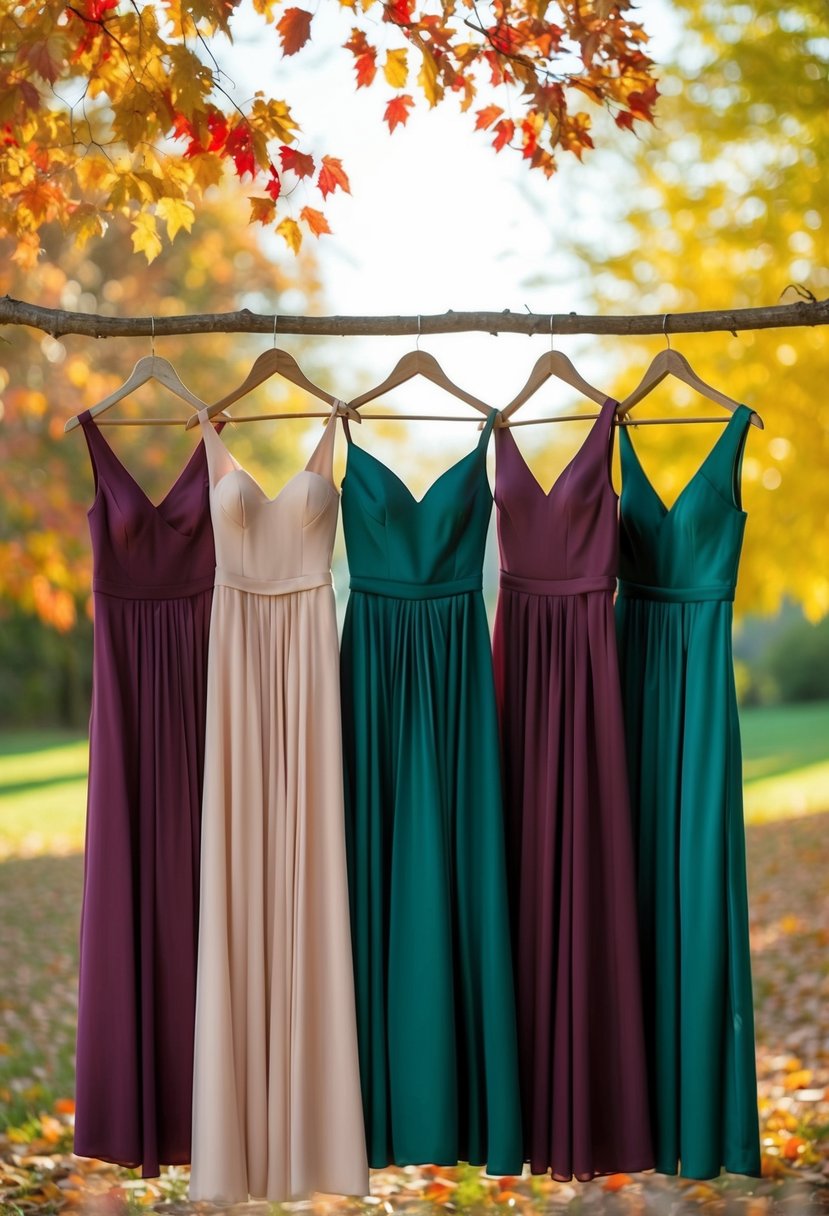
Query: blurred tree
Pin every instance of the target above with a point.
(45, 561)
(723, 205)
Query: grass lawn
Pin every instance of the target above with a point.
(43, 777)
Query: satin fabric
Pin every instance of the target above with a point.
(276, 1102)
(674, 615)
(569, 841)
(427, 879)
(152, 592)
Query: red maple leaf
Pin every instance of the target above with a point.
(274, 186)
(504, 132)
(315, 220)
(399, 11)
(331, 176)
(294, 28)
(487, 117)
(301, 163)
(397, 111)
(217, 126)
(239, 146)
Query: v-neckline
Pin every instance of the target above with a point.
(156, 508)
(547, 494)
(667, 511)
(418, 502)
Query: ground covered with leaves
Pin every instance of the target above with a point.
(39, 906)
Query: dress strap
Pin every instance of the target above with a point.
(724, 464)
(486, 429)
(94, 443)
(321, 460)
(219, 459)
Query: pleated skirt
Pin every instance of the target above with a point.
(686, 792)
(276, 1106)
(427, 879)
(572, 885)
(139, 921)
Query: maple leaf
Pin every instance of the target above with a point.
(178, 214)
(217, 126)
(624, 119)
(294, 28)
(396, 68)
(399, 11)
(428, 80)
(239, 146)
(331, 176)
(365, 57)
(145, 238)
(487, 117)
(504, 132)
(274, 186)
(291, 233)
(45, 57)
(315, 220)
(300, 163)
(262, 210)
(397, 111)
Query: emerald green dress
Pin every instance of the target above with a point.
(674, 609)
(424, 822)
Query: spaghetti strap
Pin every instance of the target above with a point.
(486, 429)
(219, 460)
(321, 460)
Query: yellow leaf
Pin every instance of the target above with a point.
(396, 68)
(427, 78)
(289, 230)
(178, 214)
(145, 238)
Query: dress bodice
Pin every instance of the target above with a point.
(564, 541)
(413, 548)
(142, 550)
(690, 551)
(278, 544)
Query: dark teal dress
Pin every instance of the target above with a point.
(674, 611)
(424, 822)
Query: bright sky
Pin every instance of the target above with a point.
(435, 220)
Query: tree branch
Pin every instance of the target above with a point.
(56, 321)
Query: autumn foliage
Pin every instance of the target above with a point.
(111, 108)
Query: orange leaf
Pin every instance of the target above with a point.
(262, 210)
(315, 220)
(397, 111)
(503, 133)
(331, 176)
(294, 28)
(615, 1182)
(487, 117)
(366, 65)
(64, 1106)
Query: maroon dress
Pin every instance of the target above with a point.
(573, 897)
(153, 586)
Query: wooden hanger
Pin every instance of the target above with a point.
(273, 362)
(670, 362)
(552, 364)
(417, 363)
(150, 367)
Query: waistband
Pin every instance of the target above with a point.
(275, 586)
(135, 591)
(415, 591)
(557, 586)
(676, 595)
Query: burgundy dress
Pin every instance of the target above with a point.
(573, 897)
(153, 586)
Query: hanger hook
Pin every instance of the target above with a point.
(417, 343)
(275, 319)
(152, 338)
(665, 329)
(552, 330)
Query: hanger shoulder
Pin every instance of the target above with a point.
(271, 362)
(553, 363)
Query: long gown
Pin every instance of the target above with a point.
(569, 840)
(152, 591)
(276, 1095)
(435, 1003)
(674, 613)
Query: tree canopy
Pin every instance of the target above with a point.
(114, 108)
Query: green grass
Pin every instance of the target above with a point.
(43, 777)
